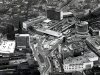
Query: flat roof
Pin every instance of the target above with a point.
(88, 57)
(7, 47)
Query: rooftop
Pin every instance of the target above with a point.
(76, 60)
(7, 46)
(88, 57)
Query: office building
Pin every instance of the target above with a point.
(22, 41)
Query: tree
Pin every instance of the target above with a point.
(29, 4)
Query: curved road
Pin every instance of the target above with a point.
(45, 66)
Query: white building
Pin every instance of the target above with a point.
(31, 22)
(91, 56)
(7, 46)
(80, 63)
(63, 14)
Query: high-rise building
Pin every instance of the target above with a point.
(82, 28)
(52, 14)
(10, 32)
(22, 41)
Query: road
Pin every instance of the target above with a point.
(44, 66)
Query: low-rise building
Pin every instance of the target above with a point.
(80, 63)
(7, 46)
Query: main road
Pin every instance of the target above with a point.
(43, 60)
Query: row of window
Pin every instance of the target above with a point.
(73, 67)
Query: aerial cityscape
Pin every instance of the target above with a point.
(49, 37)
